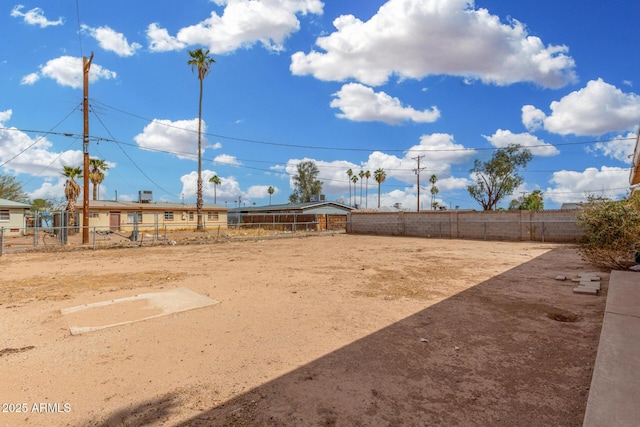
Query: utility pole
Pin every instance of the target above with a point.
(417, 172)
(86, 65)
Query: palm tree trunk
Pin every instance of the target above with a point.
(378, 195)
(200, 226)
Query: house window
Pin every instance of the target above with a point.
(190, 216)
(4, 215)
(94, 215)
(131, 217)
(213, 216)
(168, 216)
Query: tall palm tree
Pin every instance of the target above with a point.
(361, 175)
(216, 181)
(350, 173)
(71, 191)
(354, 179)
(367, 175)
(434, 190)
(201, 62)
(379, 175)
(96, 174)
(270, 190)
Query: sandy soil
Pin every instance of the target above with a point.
(335, 330)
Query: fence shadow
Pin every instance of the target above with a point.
(517, 349)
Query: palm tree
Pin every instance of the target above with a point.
(96, 174)
(350, 173)
(361, 175)
(270, 190)
(367, 175)
(354, 179)
(200, 61)
(379, 175)
(434, 189)
(71, 191)
(216, 181)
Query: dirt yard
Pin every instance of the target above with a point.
(336, 330)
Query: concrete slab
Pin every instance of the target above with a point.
(615, 384)
(626, 298)
(585, 290)
(121, 311)
(595, 285)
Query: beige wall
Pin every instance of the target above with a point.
(550, 226)
(181, 219)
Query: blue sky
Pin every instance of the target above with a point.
(355, 85)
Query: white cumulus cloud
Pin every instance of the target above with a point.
(574, 186)
(502, 138)
(596, 109)
(67, 71)
(361, 104)
(417, 38)
(619, 148)
(112, 41)
(242, 24)
(35, 16)
(178, 137)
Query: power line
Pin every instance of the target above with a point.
(314, 147)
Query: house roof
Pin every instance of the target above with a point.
(4, 203)
(151, 206)
(308, 207)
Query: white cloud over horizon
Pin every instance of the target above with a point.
(574, 186)
(179, 138)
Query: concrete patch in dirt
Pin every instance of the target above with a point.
(121, 311)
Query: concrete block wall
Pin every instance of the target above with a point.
(550, 226)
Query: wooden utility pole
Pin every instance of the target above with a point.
(86, 62)
(417, 172)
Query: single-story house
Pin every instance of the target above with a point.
(117, 215)
(634, 176)
(12, 217)
(319, 215)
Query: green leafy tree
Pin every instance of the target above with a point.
(379, 175)
(201, 62)
(42, 205)
(71, 191)
(611, 232)
(306, 182)
(533, 202)
(215, 179)
(498, 177)
(97, 167)
(11, 189)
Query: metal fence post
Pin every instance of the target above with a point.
(1, 240)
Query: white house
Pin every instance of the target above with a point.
(12, 217)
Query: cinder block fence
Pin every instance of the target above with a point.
(544, 226)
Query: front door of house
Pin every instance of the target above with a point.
(114, 221)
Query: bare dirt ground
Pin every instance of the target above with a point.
(337, 330)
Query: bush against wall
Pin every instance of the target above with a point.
(611, 232)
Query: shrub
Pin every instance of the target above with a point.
(611, 232)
